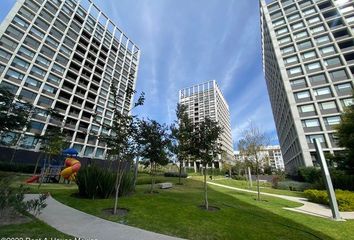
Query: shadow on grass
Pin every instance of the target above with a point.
(175, 212)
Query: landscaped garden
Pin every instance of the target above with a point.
(177, 212)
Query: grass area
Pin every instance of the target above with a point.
(175, 212)
(264, 187)
(32, 230)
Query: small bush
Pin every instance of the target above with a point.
(12, 199)
(95, 182)
(239, 177)
(293, 186)
(175, 174)
(345, 199)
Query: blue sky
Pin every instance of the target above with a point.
(186, 42)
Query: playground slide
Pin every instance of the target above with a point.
(72, 167)
(32, 179)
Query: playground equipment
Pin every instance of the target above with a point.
(72, 167)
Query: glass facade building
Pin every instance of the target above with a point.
(66, 55)
(308, 60)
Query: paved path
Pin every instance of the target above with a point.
(82, 225)
(307, 208)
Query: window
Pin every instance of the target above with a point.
(2, 68)
(17, 62)
(284, 40)
(304, 45)
(313, 20)
(36, 125)
(292, 59)
(51, 42)
(49, 89)
(294, 16)
(322, 91)
(20, 22)
(338, 75)
(347, 102)
(279, 22)
(282, 31)
(287, 50)
(58, 69)
(14, 74)
(297, 25)
(298, 82)
(8, 43)
(342, 88)
(32, 82)
(317, 29)
(301, 35)
(296, 70)
(308, 55)
(10, 87)
(37, 32)
(318, 79)
(43, 61)
(25, 51)
(307, 108)
(346, 9)
(327, 50)
(332, 62)
(53, 79)
(322, 39)
(313, 66)
(332, 120)
(310, 123)
(302, 95)
(320, 137)
(37, 71)
(27, 94)
(5, 55)
(29, 142)
(309, 11)
(328, 105)
(44, 101)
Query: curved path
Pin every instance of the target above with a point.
(307, 208)
(85, 226)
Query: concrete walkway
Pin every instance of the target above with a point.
(307, 208)
(85, 226)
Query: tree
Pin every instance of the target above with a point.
(180, 136)
(121, 142)
(206, 147)
(252, 142)
(345, 135)
(154, 141)
(13, 113)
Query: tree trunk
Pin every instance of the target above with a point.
(180, 172)
(37, 162)
(136, 172)
(257, 173)
(205, 189)
(117, 185)
(153, 169)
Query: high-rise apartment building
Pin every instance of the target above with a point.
(206, 100)
(308, 60)
(66, 55)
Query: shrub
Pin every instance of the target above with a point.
(95, 182)
(293, 186)
(345, 199)
(310, 174)
(239, 177)
(12, 199)
(175, 174)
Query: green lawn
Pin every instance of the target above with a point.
(34, 229)
(264, 187)
(175, 212)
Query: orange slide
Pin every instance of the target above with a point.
(72, 167)
(33, 179)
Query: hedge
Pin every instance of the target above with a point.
(18, 167)
(175, 174)
(345, 199)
